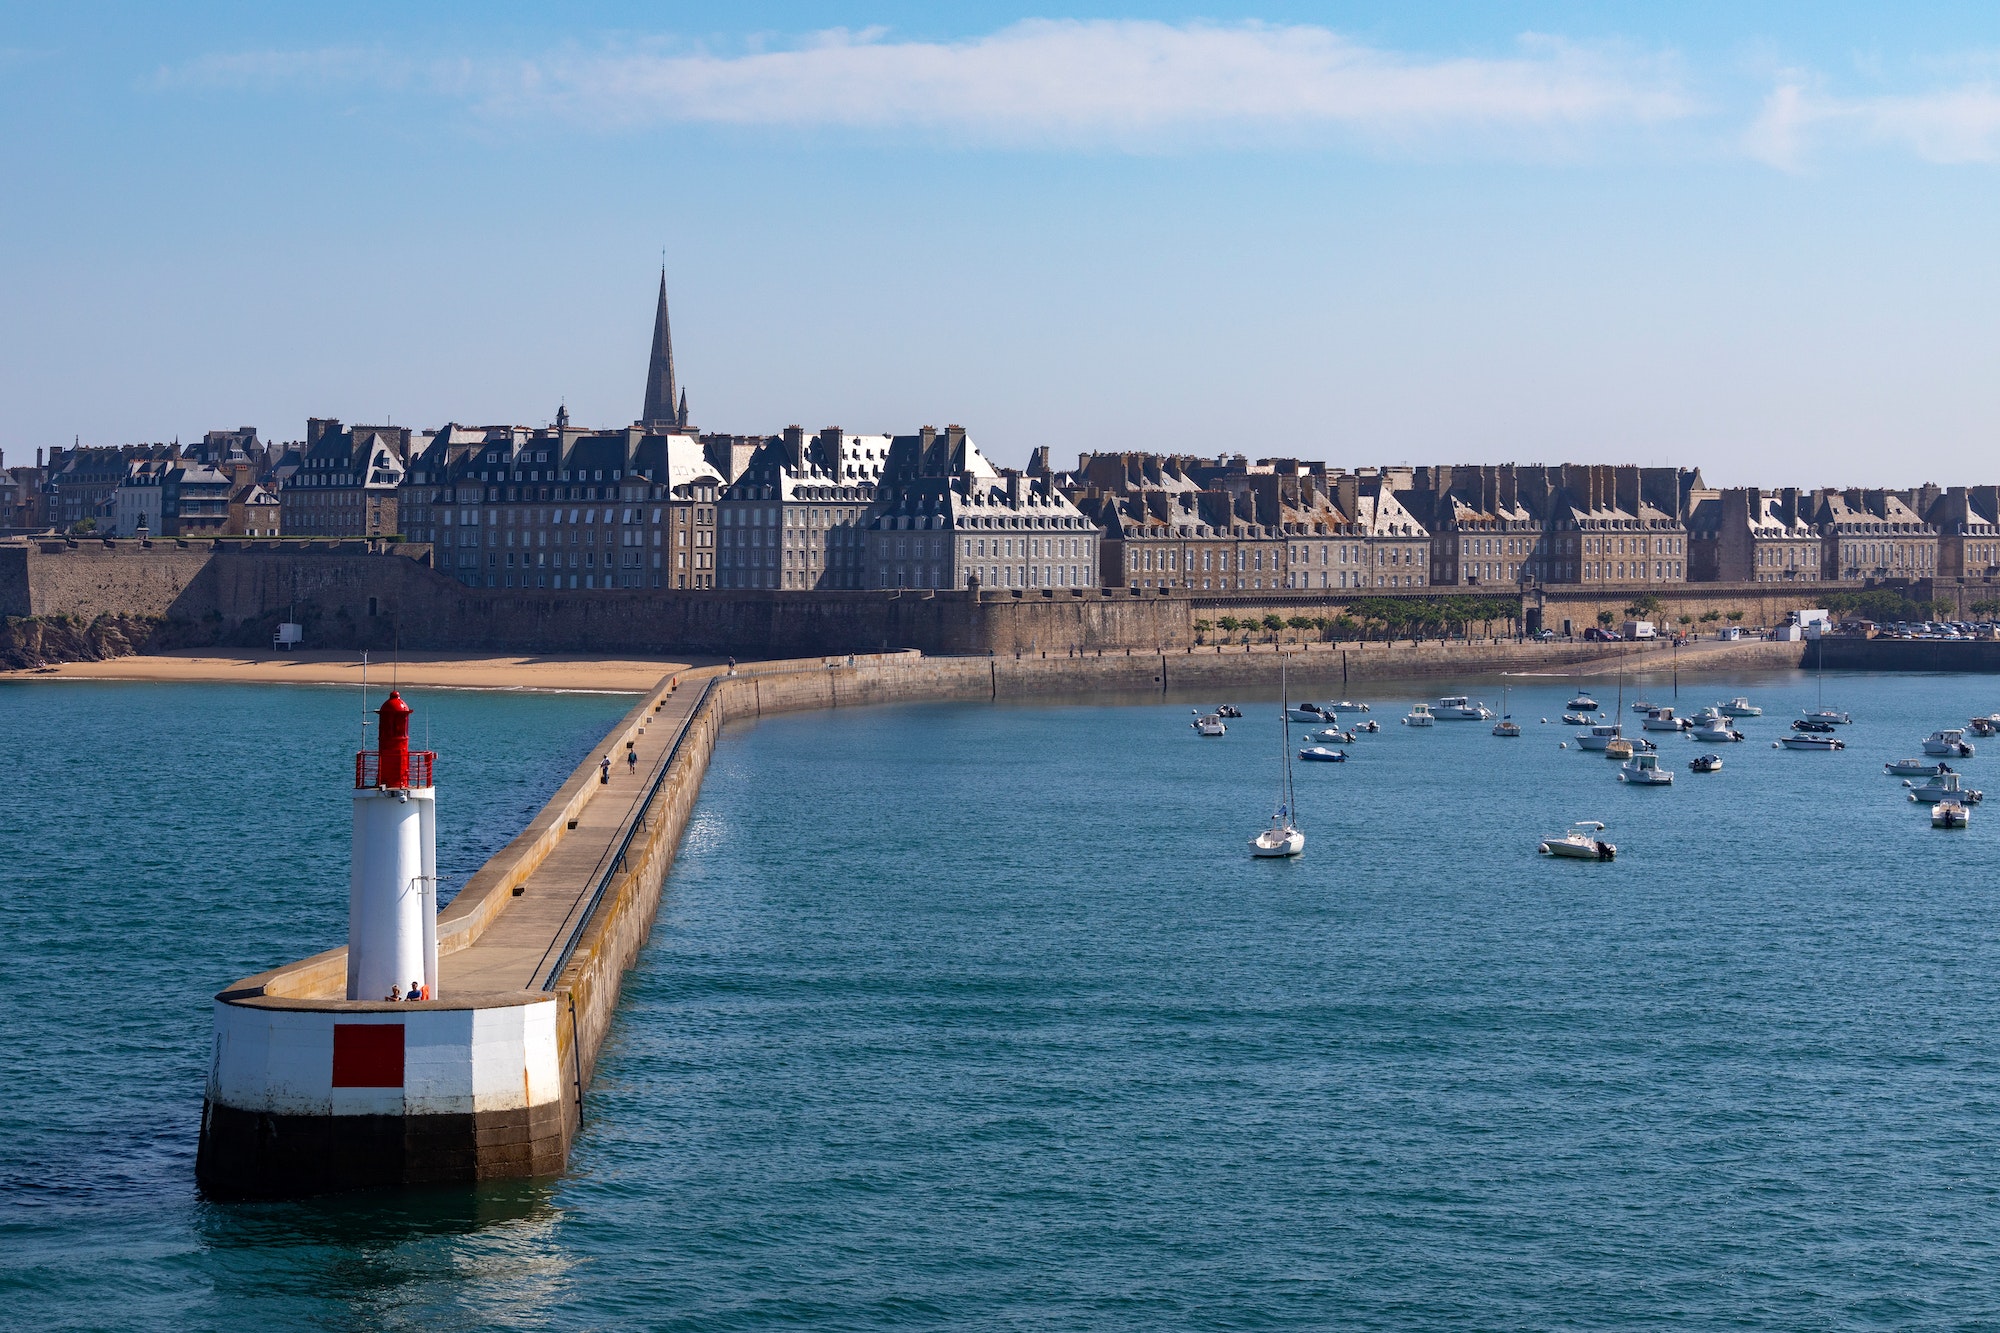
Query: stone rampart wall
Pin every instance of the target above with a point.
(97, 578)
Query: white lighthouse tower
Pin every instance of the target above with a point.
(392, 892)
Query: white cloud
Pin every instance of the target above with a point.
(1062, 83)
(1947, 126)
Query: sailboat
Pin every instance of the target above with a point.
(1506, 726)
(1822, 713)
(1282, 838)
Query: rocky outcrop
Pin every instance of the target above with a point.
(27, 642)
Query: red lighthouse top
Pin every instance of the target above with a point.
(393, 766)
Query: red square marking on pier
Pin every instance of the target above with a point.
(367, 1055)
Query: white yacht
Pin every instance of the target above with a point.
(1741, 707)
(1506, 726)
(1948, 744)
(1418, 716)
(1599, 736)
(1831, 715)
(1715, 731)
(1282, 837)
(1943, 787)
(1459, 708)
(1661, 719)
(1643, 770)
(1581, 843)
(1208, 725)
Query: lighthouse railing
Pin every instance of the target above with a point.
(368, 767)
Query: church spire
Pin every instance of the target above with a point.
(682, 419)
(660, 373)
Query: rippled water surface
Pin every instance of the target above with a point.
(978, 1016)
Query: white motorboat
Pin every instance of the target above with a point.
(1643, 707)
(1715, 732)
(1915, 768)
(1943, 787)
(1810, 740)
(1661, 719)
(1282, 838)
(1599, 736)
(1418, 716)
(1985, 726)
(1349, 706)
(1583, 703)
(1208, 725)
(1706, 763)
(1643, 770)
(1832, 716)
(1709, 714)
(1319, 754)
(1581, 843)
(1329, 736)
(1312, 713)
(1578, 719)
(1371, 726)
(1458, 708)
(1950, 814)
(1948, 744)
(1741, 707)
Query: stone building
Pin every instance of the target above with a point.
(1872, 535)
(795, 515)
(1967, 522)
(945, 517)
(138, 505)
(1610, 525)
(254, 511)
(349, 481)
(1482, 535)
(82, 482)
(194, 501)
(1394, 550)
(1746, 535)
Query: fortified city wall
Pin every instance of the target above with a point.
(358, 594)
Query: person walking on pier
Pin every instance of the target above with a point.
(632, 762)
(604, 772)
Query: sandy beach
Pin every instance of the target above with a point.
(497, 672)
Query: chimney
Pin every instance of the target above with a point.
(1013, 476)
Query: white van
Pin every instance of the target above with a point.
(1640, 629)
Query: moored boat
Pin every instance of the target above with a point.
(1950, 814)
(1661, 719)
(1581, 843)
(1208, 725)
(1943, 787)
(1915, 768)
(1707, 763)
(1578, 719)
(1740, 707)
(1619, 748)
(1418, 716)
(1349, 706)
(1716, 732)
(1599, 736)
(1643, 770)
(1949, 743)
(1459, 708)
(1282, 837)
(1583, 702)
(1806, 740)
(1319, 754)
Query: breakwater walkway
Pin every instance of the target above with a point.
(489, 1077)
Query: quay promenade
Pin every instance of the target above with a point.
(534, 948)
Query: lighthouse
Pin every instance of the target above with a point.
(392, 888)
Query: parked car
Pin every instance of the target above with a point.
(1544, 635)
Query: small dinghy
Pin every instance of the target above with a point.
(1578, 720)
(1349, 706)
(1707, 763)
(1371, 726)
(1229, 710)
(1319, 754)
(1915, 768)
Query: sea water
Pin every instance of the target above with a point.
(981, 1016)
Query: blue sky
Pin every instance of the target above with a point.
(1757, 238)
